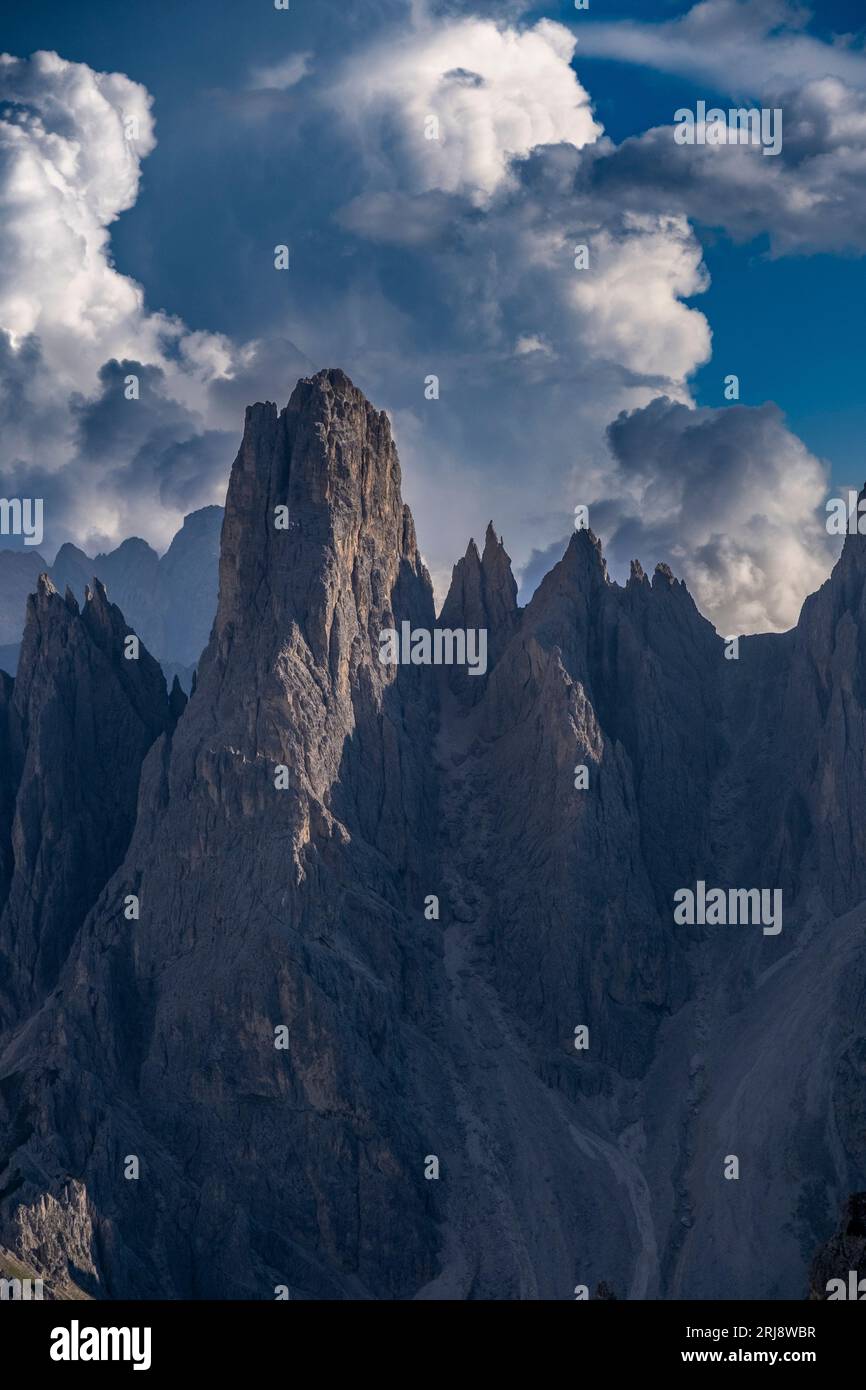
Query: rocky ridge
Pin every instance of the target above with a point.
(169, 600)
(395, 865)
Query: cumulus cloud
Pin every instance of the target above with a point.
(630, 308)
(67, 170)
(72, 326)
(497, 223)
(812, 197)
(569, 349)
(731, 499)
(453, 103)
(452, 256)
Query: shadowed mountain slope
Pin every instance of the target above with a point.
(379, 904)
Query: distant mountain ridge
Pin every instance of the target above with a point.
(168, 600)
(374, 969)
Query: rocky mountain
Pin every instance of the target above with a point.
(170, 601)
(364, 981)
(78, 723)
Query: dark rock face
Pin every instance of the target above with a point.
(301, 905)
(597, 677)
(378, 905)
(77, 726)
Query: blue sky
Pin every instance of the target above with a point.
(302, 127)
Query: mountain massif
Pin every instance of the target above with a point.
(358, 980)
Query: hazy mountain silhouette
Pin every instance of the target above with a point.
(169, 601)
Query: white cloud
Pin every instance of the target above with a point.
(67, 171)
(495, 209)
(629, 302)
(810, 198)
(71, 143)
(747, 46)
(535, 357)
(731, 499)
(496, 92)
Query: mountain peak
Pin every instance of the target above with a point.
(68, 551)
(203, 518)
(45, 590)
(96, 592)
(316, 535)
(135, 545)
(483, 594)
(663, 574)
(583, 562)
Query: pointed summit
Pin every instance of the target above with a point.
(582, 572)
(44, 588)
(483, 594)
(315, 531)
(96, 592)
(637, 574)
(663, 575)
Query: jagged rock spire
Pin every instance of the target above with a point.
(483, 594)
(338, 555)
